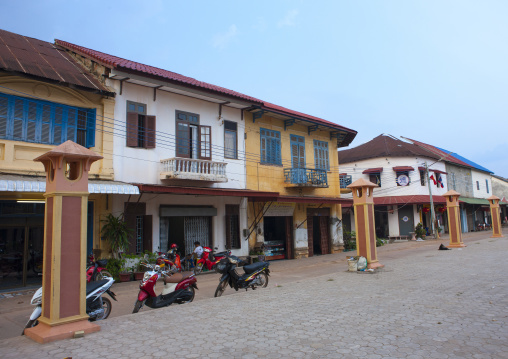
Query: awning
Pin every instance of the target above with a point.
(403, 168)
(417, 199)
(373, 170)
(208, 191)
(435, 171)
(327, 200)
(18, 183)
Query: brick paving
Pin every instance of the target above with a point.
(426, 304)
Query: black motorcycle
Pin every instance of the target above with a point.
(255, 275)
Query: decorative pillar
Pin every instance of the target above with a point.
(453, 209)
(496, 217)
(65, 229)
(364, 220)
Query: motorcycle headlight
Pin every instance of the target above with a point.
(146, 276)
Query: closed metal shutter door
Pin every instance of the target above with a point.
(196, 229)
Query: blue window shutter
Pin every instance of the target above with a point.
(90, 128)
(4, 118)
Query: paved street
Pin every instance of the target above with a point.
(425, 304)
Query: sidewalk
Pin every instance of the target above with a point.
(425, 304)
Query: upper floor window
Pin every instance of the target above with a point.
(270, 147)
(140, 127)
(402, 178)
(192, 139)
(23, 119)
(478, 185)
(321, 156)
(422, 178)
(230, 140)
(487, 185)
(375, 178)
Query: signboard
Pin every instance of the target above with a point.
(403, 180)
(279, 209)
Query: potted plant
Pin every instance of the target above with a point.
(115, 231)
(420, 231)
(126, 273)
(140, 270)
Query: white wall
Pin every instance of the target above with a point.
(388, 176)
(481, 177)
(138, 165)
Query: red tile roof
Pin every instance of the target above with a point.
(25, 56)
(132, 66)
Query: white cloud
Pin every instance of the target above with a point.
(289, 19)
(221, 40)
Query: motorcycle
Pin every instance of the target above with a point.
(170, 260)
(96, 269)
(178, 288)
(209, 259)
(255, 275)
(97, 306)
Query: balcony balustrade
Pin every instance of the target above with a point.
(193, 169)
(306, 177)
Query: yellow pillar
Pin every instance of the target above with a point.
(496, 217)
(452, 204)
(364, 219)
(64, 279)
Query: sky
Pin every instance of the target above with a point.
(433, 71)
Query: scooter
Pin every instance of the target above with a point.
(97, 306)
(178, 288)
(209, 259)
(97, 269)
(255, 275)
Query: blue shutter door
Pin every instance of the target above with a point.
(90, 128)
(4, 102)
(58, 126)
(18, 128)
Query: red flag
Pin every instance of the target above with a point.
(433, 179)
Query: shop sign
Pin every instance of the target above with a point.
(403, 180)
(279, 209)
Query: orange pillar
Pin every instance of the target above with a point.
(364, 218)
(64, 279)
(452, 204)
(496, 217)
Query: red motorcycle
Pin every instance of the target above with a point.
(171, 260)
(96, 269)
(209, 259)
(178, 288)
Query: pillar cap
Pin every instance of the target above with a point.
(493, 197)
(362, 183)
(451, 193)
(69, 149)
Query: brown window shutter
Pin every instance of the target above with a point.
(205, 142)
(147, 233)
(132, 129)
(228, 231)
(149, 132)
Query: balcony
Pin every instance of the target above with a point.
(191, 169)
(306, 177)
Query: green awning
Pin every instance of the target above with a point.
(479, 201)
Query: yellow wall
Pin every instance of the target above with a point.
(262, 177)
(17, 156)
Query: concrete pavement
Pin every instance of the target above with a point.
(425, 304)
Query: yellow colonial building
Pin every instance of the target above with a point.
(46, 98)
(295, 155)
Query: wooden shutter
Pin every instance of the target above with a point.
(150, 132)
(4, 105)
(147, 233)
(90, 128)
(19, 114)
(131, 211)
(182, 140)
(310, 235)
(289, 238)
(132, 129)
(323, 232)
(205, 142)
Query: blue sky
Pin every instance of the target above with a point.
(434, 71)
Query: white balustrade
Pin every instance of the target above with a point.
(188, 168)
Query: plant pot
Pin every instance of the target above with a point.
(124, 277)
(138, 275)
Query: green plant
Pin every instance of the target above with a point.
(420, 230)
(349, 241)
(115, 266)
(115, 231)
(380, 242)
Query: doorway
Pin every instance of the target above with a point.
(318, 231)
(406, 222)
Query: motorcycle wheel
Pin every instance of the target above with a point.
(106, 304)
(30, 324)
(264, 279)
(137, 306)
(198, 269)
(103, 275)
(220, 288)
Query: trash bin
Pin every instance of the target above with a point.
(352, 265)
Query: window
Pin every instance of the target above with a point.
(232, 226)
(375, 178)
(230, 140)
(23, 119)
(321, 157)
(487, 185)
(192, 139)
(140, 127)
(297, 151)
(422, 178)
(478, 185)
(270, 147)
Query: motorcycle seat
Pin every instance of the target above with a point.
(220, 254)
(90, 287)
(177, 277)
(250, 268)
